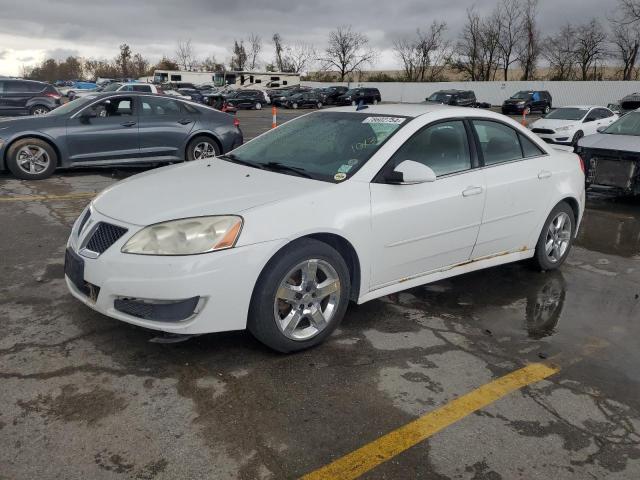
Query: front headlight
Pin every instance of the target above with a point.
(187, 236)
(564, 129)
(521, 103)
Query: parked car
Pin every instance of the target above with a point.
(248, 99)
(120, 87)
(27, 97)
(78, 86)
(459, 98)
(567, 125)
(192, 94)
(302, 100)
(528, 101)
(193, 249)
(615, 108)
(612, 156)
(177, 85)
(114, 129)
(630, 103)
(331, 94)
(357, 95)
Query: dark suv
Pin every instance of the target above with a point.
(527, 101)
(459, 98)
(331, 94)
(247, 99)
(357, 95)
(27, 97)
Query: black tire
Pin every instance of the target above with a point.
(547, 109)
(39, 110)
(32, 144)
(294, 105)
(319, 105)
(262, 322)
(197, 141)
(576, 137)
(540, 258)
(258, 106)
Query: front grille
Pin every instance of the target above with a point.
(542, 130)
(172, 311)
(104, 236)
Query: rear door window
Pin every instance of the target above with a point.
(158, 106)
(498, 142)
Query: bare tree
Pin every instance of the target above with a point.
(123, 60)
(239, 57)
(277, 41)
(299, 57)
(626, 44)
(560, 52)
(210, 64)
(255, 46)
(630, 10)
(590, 41)
(425, 56)
(529, 47)
(347, 52)
(185, 56)
(509, 16)
(478, 53)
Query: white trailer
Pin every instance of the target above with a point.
(163, 76)
(258, 80)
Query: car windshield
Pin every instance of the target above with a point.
(112, 87)
(627, 125)
(72, 105)
(327, 146)
(568, 114)
(440, 97)
(521, 95)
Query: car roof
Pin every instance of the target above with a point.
(583, 107)
(416, 110)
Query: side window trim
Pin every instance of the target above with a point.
(479, 147)
(473, 154)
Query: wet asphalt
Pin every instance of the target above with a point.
(84, 396)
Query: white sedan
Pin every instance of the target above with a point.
(567, 125)
(279, 235)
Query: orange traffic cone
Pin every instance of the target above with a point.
(274, 116)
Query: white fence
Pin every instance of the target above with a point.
(563, 93)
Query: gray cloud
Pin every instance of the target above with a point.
(153, 27)
(3, 54)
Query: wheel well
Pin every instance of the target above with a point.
(3, 163)
(346, 250)
(203, 134)
(575, 207)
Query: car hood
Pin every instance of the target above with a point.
(607, 141)
(12, 124)
(511, 101)
(552, 123)
(198, 188)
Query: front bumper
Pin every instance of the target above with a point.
(222, 281)
(512, 109)
(561, 138)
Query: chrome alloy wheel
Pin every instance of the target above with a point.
(558, 237)
(307, 299)
(32, 159)
(203, 150)
(38, 111)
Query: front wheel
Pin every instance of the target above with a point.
(576, 137)
(202, 148)
(39, 110)
(527, 110)
(547, 109)
(301, 296)
(319, 105)
(556, 238)
(31, 159)
(294, 106)
(375, 101)
(258, 106)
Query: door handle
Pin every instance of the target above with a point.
(184, 121)
(544, 174)
(471, 191)
(128, 124)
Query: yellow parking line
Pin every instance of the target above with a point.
(388, 446)
(33, 198)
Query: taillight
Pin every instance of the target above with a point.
(52, 95)
(236, 122)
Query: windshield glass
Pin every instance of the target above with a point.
(568, 113)
(112, 87)
(627, 125)
(327, 146)
(440, 97)
(72, 105)
(522, 95)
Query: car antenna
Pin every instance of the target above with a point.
(361, 106)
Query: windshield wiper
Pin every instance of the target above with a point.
(280, 167)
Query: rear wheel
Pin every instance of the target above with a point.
(375, 101)
(556, 238)
(294, 105)
(547, 109)
(576, 137)
(258, 106)
(301, 296)
(319, 105)
(32, 159)
(39, 110)
(202, 148)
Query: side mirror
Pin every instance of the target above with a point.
(409, 172)
(601, 129)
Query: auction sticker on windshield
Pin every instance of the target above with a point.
(393, 120)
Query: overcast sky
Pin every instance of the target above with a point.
(31, 30)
